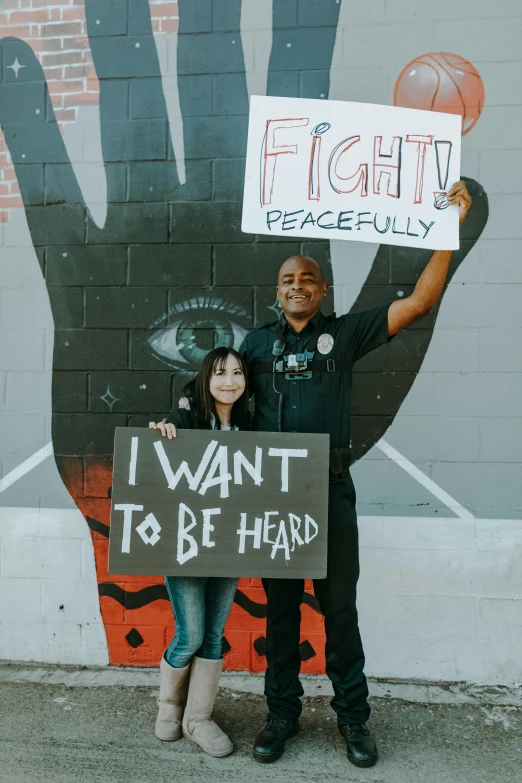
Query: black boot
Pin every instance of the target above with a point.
(269, 745)
(361, 747)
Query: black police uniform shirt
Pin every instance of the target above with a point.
(322, 403)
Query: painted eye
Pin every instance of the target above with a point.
(197, 326)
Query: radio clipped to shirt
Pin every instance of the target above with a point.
(295, 366)
(298, 366)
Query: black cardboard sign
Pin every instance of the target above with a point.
(214, 503)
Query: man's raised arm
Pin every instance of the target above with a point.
(404, 312)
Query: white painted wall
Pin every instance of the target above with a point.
(49, 607)
(440, 598)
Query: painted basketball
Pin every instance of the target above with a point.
(442, 82)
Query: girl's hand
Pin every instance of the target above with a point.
(166, 429)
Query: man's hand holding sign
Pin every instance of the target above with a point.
(404, 312)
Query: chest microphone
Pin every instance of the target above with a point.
(278, 348)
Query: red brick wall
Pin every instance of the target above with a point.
(56, 30)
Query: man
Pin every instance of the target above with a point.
(288, 401)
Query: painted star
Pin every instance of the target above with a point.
(276, 307)
(16, 66)
(109, 398)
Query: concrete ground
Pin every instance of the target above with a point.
(52, 731)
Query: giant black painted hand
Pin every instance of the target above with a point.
(137, 303)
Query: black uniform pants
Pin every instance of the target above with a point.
(337, 600)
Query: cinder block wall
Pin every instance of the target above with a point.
(131, 215)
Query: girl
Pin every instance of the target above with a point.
(217, 398)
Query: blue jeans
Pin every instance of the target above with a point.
(201, 606)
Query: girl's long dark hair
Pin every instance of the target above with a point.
(198, 390)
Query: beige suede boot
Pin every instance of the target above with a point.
(197, 723)
(172, 699)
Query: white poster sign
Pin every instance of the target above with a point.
(339, 170)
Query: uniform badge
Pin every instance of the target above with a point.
(325, 343)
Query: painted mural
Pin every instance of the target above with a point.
(140, 293)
